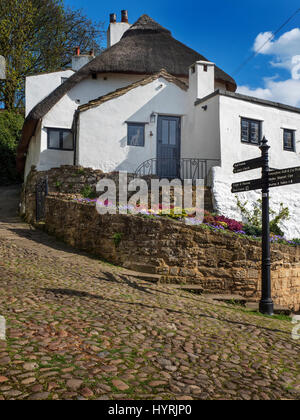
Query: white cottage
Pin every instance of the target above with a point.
(150, 105)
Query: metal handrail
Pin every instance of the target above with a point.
(185, 168)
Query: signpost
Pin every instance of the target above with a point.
(247, 165)
(269, 179)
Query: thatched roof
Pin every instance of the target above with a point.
(122, 91)
(145, 48)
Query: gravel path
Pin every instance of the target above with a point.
(78, 328)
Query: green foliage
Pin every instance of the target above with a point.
(117, 239)
(254, 216)
(58, 185)
(251, 230)
(10, 132)
(40, 36)
(88, 192)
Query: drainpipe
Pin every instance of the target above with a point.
(75, 135)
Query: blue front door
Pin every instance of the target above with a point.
(168, 147)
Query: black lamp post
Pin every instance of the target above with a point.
(266, 305)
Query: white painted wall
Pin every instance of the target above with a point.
(233, 150)
(33, 153)
(62, 115)
(103, 129)
(115, 32)
(39, 86)
(201, 131)
(81, 60)
(202, 79)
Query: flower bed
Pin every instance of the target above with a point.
(216, 223)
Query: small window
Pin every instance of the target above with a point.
(136, 134)
(60, 139)
(250, 131)
(289, 140)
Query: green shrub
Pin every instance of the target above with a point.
(254, 216)
(117, 239)
(10, 132)
(251, 230)
(88, 192)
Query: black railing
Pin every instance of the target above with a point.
(41, 194)
(186, 168)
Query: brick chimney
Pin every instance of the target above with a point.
(80, 60)
(117, 29)
(124, 16)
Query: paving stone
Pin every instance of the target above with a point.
(120, 385)
(74, 384)
(76, 326)
(39, 396)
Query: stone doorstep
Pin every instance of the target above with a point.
(278, 309)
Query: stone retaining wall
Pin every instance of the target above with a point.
(220, 263)
(72, 180)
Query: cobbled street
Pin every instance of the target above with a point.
(78, 328)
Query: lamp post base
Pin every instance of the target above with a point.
(266, 307)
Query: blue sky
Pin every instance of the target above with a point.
(226, 32)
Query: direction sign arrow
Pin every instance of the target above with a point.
(254, 184)
(283, 177)
(247, 165)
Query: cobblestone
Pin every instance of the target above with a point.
(78, 328)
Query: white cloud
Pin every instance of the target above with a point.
(286, 92)
(286, 54)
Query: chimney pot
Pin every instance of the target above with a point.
(124, 14)
(113, 18)
(77, 51)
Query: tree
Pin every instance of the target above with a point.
(10, 131)
(40, 36)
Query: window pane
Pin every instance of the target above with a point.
(254, 134)
(288, 139)
(67, 140)
(245, 130)
(53, 139)
(165, 131)
(135, 135)
(173, 126)
(250, 132)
